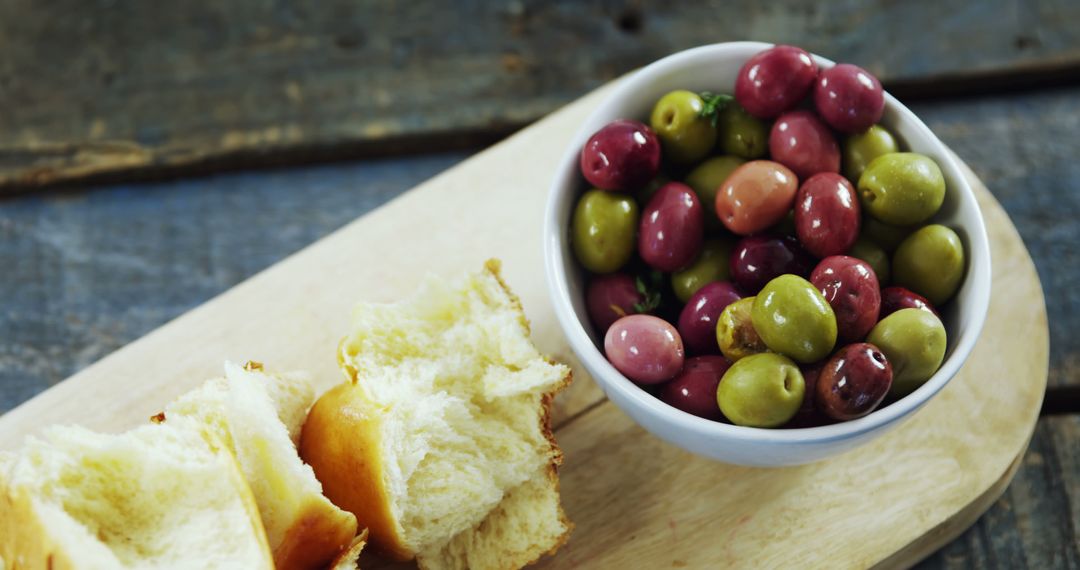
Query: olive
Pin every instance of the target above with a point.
(735, 331)
(902, 188)
(895, 298)
(794, 319)
(671, 229)
(774, 80)
(913, 341)
(646, 349)
(853, 382)
(608, 298)
(801, 142)
(860, 149)
(931, 263)
(706, 180)
(603, 230)
(623, 155)
(808, 415)
(756, 260)
(827, 215)
(872, 254)
(694, 389)
(740, 133)
(761, 390)
(755, 196)
(711, 265)
(646, 192)
(699, 317)
(851, 288)
(685, 133)
(849, 98)
(885, 236)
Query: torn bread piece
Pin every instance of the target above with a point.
(167, 497)
(441, 442)
(259, 416)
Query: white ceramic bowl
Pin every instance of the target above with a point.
(713, 68)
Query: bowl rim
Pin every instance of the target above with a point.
(611, 379)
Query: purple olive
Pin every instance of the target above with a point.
(801, 142)
(849, 98)
(672, 228)
(646, 349)
(694, 389)
(808, 414)
(853, 382)
(697, 322)
(775, 80)
(623, 155)
(895, 298)
(611, 297)
(756, 260)
(851, 288)
(827, 215)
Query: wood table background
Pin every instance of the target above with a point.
(129, 113)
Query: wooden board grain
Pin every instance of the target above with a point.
(633, 497)
(94, 87)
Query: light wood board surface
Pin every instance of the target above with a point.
(637, 501)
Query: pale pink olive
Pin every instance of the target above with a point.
(756, 196)
(646, 349)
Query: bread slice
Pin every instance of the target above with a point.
(154, 497)
(259, 416)
(440, 443)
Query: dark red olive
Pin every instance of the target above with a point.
(775, 80)
(849, 98)
(624, 155)
(895, 298)
(853, 382)
(827, 215)
(697, 321)
(801, 142)
(756, 260)
(808, 414)
(851, 288)
(672, 228)
(609, 298)
(694, 389)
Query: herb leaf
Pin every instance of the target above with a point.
(714, 103)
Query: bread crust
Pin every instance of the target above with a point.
(341, 441)
(318, 536)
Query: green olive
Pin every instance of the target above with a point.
(902, 188)
(603, 230)
(711, 265)
(741, 133)
(685, 135)
(794, 319)
(930, 262)
(735, 331)
(886, 236)
(706, 179)
(761, 390)
(871, 253)
(861, 149)
(913, 341)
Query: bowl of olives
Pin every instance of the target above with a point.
(762, 257)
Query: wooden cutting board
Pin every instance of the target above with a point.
(637, 501)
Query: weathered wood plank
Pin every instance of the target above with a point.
(1036, 523)
(97, 87)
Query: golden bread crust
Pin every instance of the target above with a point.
(341, 442)
(350, 557)
(318, 536)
